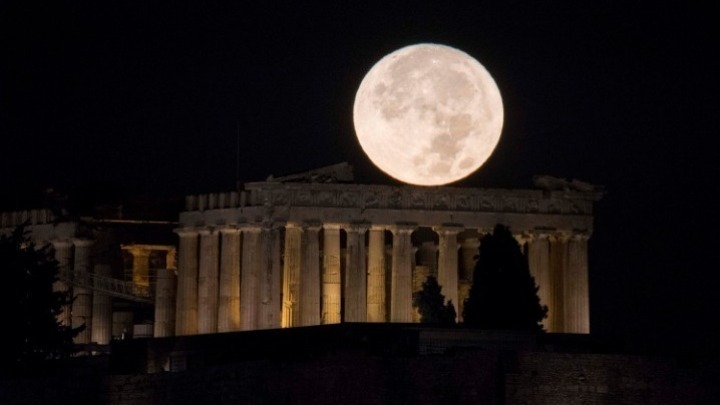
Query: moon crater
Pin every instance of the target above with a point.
(428, 114)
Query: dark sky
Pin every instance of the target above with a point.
(146, 99)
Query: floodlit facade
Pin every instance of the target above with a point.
(315, 249)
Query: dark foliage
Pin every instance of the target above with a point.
(431, 304)
(504, 294)
(32, 332)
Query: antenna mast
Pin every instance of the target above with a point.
(237, 157)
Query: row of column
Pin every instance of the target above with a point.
(559, 264)
(94, 308)
(233, 278)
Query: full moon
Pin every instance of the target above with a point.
(428, 114)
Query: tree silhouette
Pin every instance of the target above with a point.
(32, 332)
(503, 294)
(431, 304)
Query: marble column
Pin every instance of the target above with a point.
(291, 276)
(539, 263)
(331, 281)
(577, 304)
(469, 249)
(448, 262)
(310, 276)
(208, 282)
(270, 280)
(250, 277)
(229, 288)
(428, 256)
(558, 268)
(376, 290)
(82, 305)
(63, 255)
(402, 263)
(165, 303)
(356, 276)
(141, 266)
(102, 310)
(420, 275)
(186, 310)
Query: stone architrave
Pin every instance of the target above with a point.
(310, 276)
(539, 263)
(331, 281)
(250, 277)
(63, 255)
(376, 289)
(82, 305)
(102, 310)
(229, 286)
(448, 262)
(356, 277)
(402, 263)
(208, 282)
(558, 266)
(576, 305)
(291, 275)
(165, 303)
(270, 279)
(186, 310)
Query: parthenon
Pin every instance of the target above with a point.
(286, 254)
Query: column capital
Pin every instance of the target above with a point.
(312, 225)
(82, 242)
(250, 227)
(559, 236)
(332, 226)
(229, 230)
(207, 230)
(359, 227)
(448, 229)
(377, 227)
(402, 228)
(579, 235)
(538, 234)
(186, 232)
(61, 243)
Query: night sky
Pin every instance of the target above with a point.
(135, 99)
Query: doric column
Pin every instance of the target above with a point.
(82, 306)
(229, 288)
(577, 304)
(63, 255)
(291, 276)
(141, 265)
(165, 303)
(250, 277)
(469, 250)
(186, 310)
(402, 264)
(448, 262)
(208, 282)
(269, 316)
(376, 290)
(309, 299)
(558, 266)
(331, 281)
(356, 276)
(539, 263)
(101, 310)
(171, 258)
(428, 256)
(420, 275)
